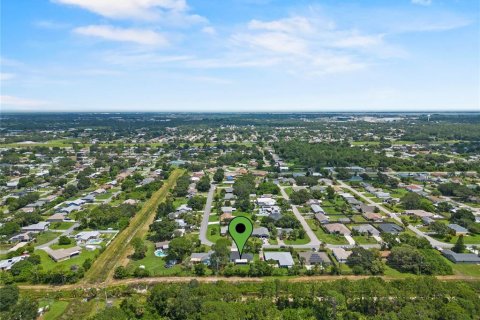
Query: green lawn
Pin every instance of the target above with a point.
(61, 225)
(470, 239)
(364, 240)
(213, 218)
(325, 237)
(156, 265)
(45, 237)
(288, 190)
(216, 236)
(65, 246)
(179, 201)
(56, 308)
(48, 264)
(298, 240)
(104, 196)
(357, 218)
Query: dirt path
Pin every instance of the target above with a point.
(155, 280)
(116, 253)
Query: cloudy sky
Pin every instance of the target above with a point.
(239, 55)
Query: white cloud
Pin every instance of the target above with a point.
(51, 25)
(209, 30)
(6, 76)
(121, 9)
(166, 12)
(20, 102)
(422, 2)
(289, 25)
(140, 36)
(309, 44)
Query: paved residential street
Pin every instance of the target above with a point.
(206, 214)
(313, 238)
(393, 215)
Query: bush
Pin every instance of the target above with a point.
(64, 240)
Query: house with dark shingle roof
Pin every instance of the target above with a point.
(314, 258)
(390, 228)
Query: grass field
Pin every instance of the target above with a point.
(298, 240)
(45, 237)
(364, 240)
(216, 236)
(61, 225)
(105, 265)
(48, 264)
(325, 237)
(55, 308)
(155, 265)
(469, 239)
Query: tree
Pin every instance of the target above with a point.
(64, 240)
(140, 249)
(203, 184)
(197, 202)
(220, 255)
(179, 248)
(218, 176)
(162, 230)
(300, 197)
(200, 269)
(9, 294)
(459, 246)
(120, 272)
(411, 201)
(83, 183)
(330, 193)
(440, 228)
(25, 309)
(406, 259)
(365, 261)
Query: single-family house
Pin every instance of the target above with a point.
(337, 228)
(56, 217)
(341, 254)
(366, 229)
(391, 228)
(37, 227)
(283, 259)
(461, 257)
(311, 258)
(63, 254)
(261, 232)
(322, 218)
(244, 259)
(459, 230)
(201, 257)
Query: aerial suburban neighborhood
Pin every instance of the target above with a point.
(81, 205)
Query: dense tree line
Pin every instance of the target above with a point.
(373, 298)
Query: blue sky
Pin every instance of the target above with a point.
(240, 55)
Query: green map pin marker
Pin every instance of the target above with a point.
(240, 228)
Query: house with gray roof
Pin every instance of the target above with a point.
(235, 257)
(314, 258)
(391, 228)
(461, 257)
(260, 232)
(459, 230)
(366, 229)
(283, 259)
